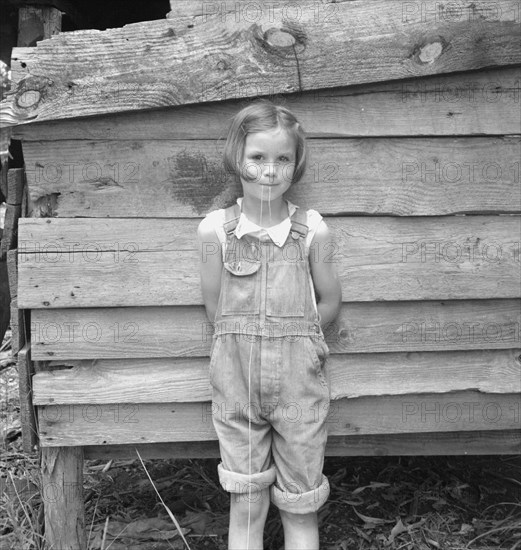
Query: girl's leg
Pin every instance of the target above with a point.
(300, 530)
(258, 503)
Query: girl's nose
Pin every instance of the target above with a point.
(270, 169)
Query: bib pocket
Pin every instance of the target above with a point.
(286, 289)
(241, 288)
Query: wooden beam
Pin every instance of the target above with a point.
(77, 16)
(470, 103)
(5, 298)
(156, 64)
(62, 495)
(25, 372)
(18, 339)
(185, 178)
(15, 185)
(459, 443)
(37, 23)
(377, 259)
(363, 327)
(351, 375)
(111, 424)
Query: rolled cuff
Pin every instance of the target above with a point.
(291, 500)
(244, 483)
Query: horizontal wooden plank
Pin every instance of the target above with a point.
(301, 51)
(475, 102)
(65, 425)
(377, 258)
(185, 178)
(351, 375)
(444, 443)
(154, 332)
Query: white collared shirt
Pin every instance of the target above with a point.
(277, 233)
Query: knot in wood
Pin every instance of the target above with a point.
(430, 51)
(28, 99)
(31, 91)
(279, 38)
(284, 41)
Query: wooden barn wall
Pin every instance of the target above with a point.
(418, 180)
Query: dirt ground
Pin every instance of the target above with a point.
(375, 503)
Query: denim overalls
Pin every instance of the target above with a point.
(270, 390)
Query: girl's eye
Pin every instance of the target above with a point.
(257, 157)
(284, 158)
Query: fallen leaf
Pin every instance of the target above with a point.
(372, 485)
(396, 530)
(371, 520)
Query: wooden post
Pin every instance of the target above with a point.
(62, 494)
(37, 23)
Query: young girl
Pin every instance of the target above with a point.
(269, 299)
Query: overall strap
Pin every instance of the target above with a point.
(231, 218)
(299, 227)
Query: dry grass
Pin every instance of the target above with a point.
(394, 503)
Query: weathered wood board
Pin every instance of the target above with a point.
(445, 443)
(161, 63)
(185, 178)
(84, 424)
(470, 103)
(351, 375)
(377, 258)
(363, 327)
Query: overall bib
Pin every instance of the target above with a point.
(270, 389)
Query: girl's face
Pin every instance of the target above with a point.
(268, 164)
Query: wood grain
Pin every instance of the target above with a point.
(470, 103)
(65, 425)
(158, 64)
(377, 259)
(155, 332)
(351, 375)
(444, 443)
(185, 178)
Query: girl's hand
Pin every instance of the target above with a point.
(325, 279)
(210, 265)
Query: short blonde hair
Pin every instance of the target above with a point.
(262, 116)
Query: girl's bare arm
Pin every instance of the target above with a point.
(210, 265)
(325, 279)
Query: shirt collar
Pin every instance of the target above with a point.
(277, 233)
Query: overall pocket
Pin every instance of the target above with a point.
(285, 289)
(241, 288)
(319, 352)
